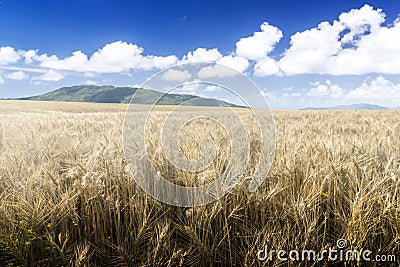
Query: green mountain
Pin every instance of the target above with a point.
(112, 94)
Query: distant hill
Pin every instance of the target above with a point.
(361, 106)
(112, 94)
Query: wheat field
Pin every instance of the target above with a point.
(67, 198)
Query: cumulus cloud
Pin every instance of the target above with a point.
(8, 55)
(216, 71)
(202, 55)
(376, 89)
(310, 50)
(325, 89)
(370, 90)
(212, 88)
(358, 21)
(176, 75)
(17, 75)
(187, 88)
(265, 67)
(24, 69)
(318, 90)
(35, 83)
(90, 74)
(239, 64)
(1, 80)
(213, 55)
(291, 94)
(377, 52)
(257, 46)
(90, 82)
(356, 43)
(28, 56)
(50, 75)
(114, 57)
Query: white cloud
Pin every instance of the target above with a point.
(114, 57)
(258, 45)
(211, 88)
(90, 82)
(325, 89)
(265, 67)
(356, 43)
(25, 69)
(376, 89)
(319, 90)
(358, 21)
(28, 56)
(377, 52)
(89, 75)
(50, 75)
(8, 55)
(1, 80)
(187, 88)
(176, 75)
(216, 71)
(202, 55)
(311, 50)
(291, 95)
(239, 64)
(35, 83)
(336, 91)
(17, 75)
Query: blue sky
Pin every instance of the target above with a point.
(300, 53)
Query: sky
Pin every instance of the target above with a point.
(299, 53)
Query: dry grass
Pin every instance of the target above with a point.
(66, 197)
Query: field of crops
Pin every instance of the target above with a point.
(67, 198)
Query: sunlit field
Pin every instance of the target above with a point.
(67, 198)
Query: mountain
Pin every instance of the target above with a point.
(360, 106)
(112, 94)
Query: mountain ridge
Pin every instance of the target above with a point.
(359, 106)
(114, 94)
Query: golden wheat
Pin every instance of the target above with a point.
(67, 199)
